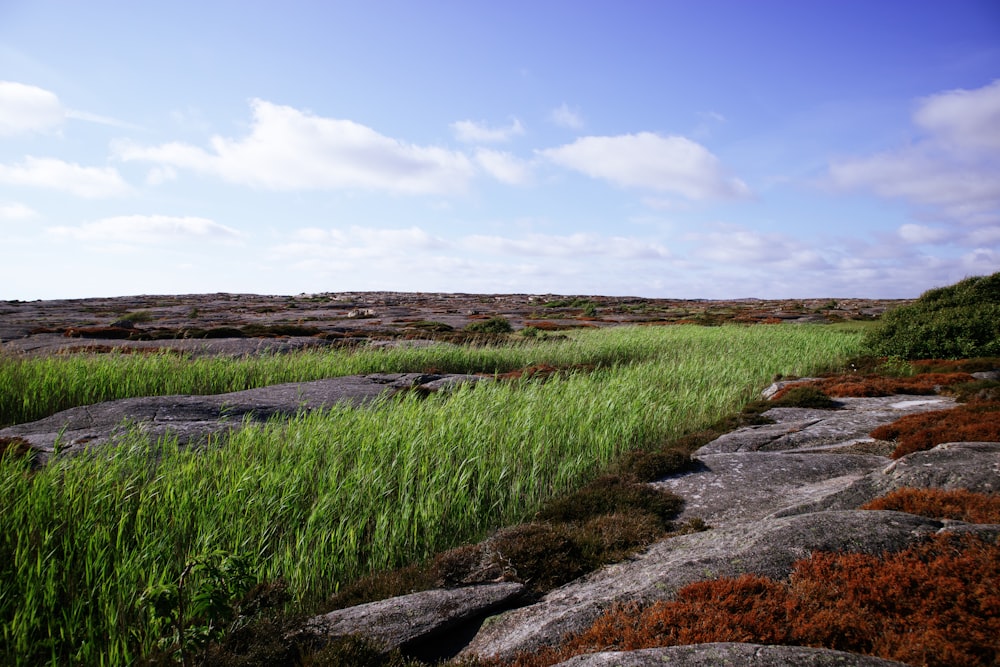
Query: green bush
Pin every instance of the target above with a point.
(494, 325)
(959, 321)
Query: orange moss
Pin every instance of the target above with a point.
(877, 385)
(957, 504)
(937, 603)
(965, 423)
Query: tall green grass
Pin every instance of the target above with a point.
(326, 497)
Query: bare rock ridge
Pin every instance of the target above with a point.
(192, 419)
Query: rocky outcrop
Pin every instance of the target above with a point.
(192, 419)
(713, 655)
(768, 548)
(773, 494)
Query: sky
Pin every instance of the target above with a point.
(690, 149)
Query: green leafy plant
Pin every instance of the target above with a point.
(201, 606)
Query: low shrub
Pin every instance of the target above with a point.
(976, 365)
(803, 396)
(494, 325)
(977, 391)
(955, 504)
(646, 466)
(966, 423)
(610, 495)
(541, 555)
(932, 604)
(959, 321)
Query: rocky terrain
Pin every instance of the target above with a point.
(246, 324)
(769, 494)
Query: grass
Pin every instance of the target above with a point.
(327, 497)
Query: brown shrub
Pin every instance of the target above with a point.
(933, 604)
(957, 504)
(611, 537)
(646, 466)
(956, 366)
(541, 555)
(877, 385)
(965, 423)
(609, 495)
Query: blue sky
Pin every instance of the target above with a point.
(696, 149)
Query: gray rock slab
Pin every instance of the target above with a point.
(728, 655)
(193, 418)
(807, 428)
(724, 489)
(974, 466)
(768, 548)
(401, 620)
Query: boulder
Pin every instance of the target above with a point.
(725, 653)
(409, 620)
(715, 655)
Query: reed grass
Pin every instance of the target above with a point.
(326, 497)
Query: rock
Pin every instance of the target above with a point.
(402, 622)
(804, 429)
(723, 489)
(778, 385)
(192, 419)
(768, 548)
(987, 375)
(719, 654)
(974, 466)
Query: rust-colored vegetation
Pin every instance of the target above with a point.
(979, 421)
(934, 604)
(878, 385)
(956, 504)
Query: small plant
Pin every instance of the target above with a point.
(201, 606)
(650, 466)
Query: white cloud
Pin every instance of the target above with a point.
(969, 119)
(147, 229)
(571, 245)
(358, 242)
(471, 132)
(503, 166)
(922, 234)
(25, 108)
(17, 211)
(563, 116)
(732, 246)
(953, 172)
(646, 160)
(288, 149)
(89, 182)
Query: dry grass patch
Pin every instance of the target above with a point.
(842, 386)
(966, 423)
(955, 504)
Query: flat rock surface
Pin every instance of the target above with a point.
(728, 655)
(724, 489)
(193, 418)
(974, 466)
(810, 429)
